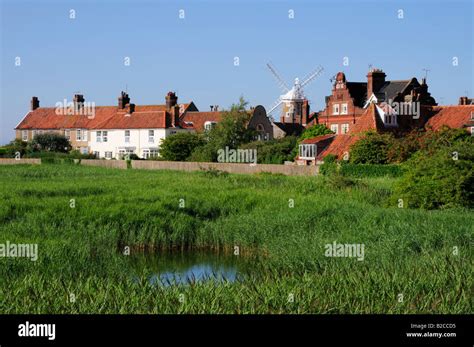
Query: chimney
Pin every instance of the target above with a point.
(375, 81)
(78, 101)
(305, 112)
(123, 100)
(212, 107)
(35, 103)
(171, 100)
(175, 116)
(463, 100)
(130, 108)
(216, 108)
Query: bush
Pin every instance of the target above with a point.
(52, 157)
(273, 152)
(179, 147)
(13, 147)
(371, 170)
(439, 180)
(372, 148)
(313, 131)
(50, 142)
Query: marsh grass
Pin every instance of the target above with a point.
(408, 252)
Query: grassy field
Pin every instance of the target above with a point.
(409, 264)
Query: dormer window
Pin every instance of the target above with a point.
(209, 125)
(335, 109)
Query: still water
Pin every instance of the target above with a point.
(174, 268)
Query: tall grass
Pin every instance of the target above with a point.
(408, 252)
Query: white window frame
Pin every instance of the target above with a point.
(208, 125)
(108, 154)
(335, 109)
(151, 136)
(98, 136)
(335, 128)
(127, 137)
(78, 135)
(105, 136)
(84, 150)
(84, 135)
(97, 154)
(344, 128)
(307, 151)
(67, 134)
(24, 135)
(344, 108)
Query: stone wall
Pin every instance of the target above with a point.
(12, 161)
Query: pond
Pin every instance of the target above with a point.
(174, 268)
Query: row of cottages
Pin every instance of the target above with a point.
(355, 108)
(115, 131)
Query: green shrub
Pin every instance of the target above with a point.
(50, 142)
(439, 180)
(180, 146)
(313, 131)
(372, 148)
(273, 152)
(371, 170)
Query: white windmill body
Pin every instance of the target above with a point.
(293, 99)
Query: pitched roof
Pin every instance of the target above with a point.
(197, 120)
(317, 139)
(457, 116)
(105, 117)
(370, 120)
(390, 89)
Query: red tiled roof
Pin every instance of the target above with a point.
(106, 117)
(369, 120)
(317, 139)
(457, 116)
(199, 118)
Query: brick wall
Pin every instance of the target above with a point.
(292, 170)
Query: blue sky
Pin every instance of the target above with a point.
(195, 56)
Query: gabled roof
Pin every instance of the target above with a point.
(105, 117)
(369, 120)
(457, 116)
(196, 120)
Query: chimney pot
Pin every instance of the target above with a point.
(123, 100)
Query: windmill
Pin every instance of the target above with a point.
(292, 99)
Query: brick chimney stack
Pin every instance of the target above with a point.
(171, 100)
(463, 100)
(78, 101)
(35, 103)
(123, 100)
(305, 112)
(375, 81)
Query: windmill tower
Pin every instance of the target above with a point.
(295, 106)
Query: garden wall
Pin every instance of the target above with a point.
(12, 161)
(292, 170)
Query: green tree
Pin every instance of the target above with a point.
(442, 179)
(50, 142)
(313, 131)
(179, 147)
(372, 148)
(14, 147)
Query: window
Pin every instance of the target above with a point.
(96, 154)
(150, 153)
(84, 150)
(104, 136)
(84, 135)
(98, 136)
(78, 135)
(307, 151)
(335, 109)
(208, 125)
(344, 128)
(127, 136)
(108, 155)
(344, 109)
(151, 136)
(33, 134)
(335, 128)
(24, 135)
(67, 134)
